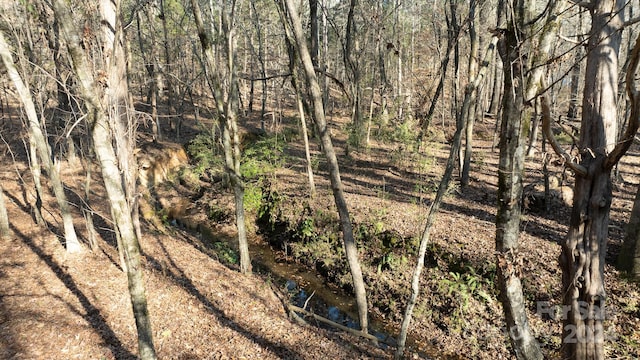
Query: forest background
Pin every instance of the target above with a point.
(429, 160)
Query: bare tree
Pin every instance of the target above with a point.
(510, 172)
(471, 113)
(103, 122)
(227, 104)
(437, 201)
(584, 248)
(525, 32)
(291, 14)
(294, 66)
(43, 148)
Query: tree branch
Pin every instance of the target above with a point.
(546, 128)
(634, 118)
(584, 4)
(249, 78)
(632, 21)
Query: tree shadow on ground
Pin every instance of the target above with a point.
(92, 314)
(179, 278)
(9, 347)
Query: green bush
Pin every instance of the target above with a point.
(206, 154)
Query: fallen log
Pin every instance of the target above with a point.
(293, 308)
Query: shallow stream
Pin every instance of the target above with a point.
(308, 290)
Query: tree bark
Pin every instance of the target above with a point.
(5, 230)
(583, 251)
(352, 68)
(629, 258)
(42, 146)
(350, 247)
(36, 172)
(102, 136)
(510, 173)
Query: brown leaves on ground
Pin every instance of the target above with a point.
(57, 306)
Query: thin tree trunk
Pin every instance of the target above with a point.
(510, 172)
(87, 212)
(167, 68)
(5, 230)
(36, 172)
(533, 131)
(470, 95)
(305, 137)
(227, 105)
(452, 39)
(572, 113)
(153, 71)
(351, 249)
(43, 149)
(435, 205)
(261, 60)
(102, 132)
(293, 68)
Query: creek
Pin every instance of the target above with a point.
(307, 289)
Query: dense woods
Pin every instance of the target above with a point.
(459, 178)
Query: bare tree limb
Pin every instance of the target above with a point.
(584, 4)
(546, 128)
(633, 21)
(634, 118)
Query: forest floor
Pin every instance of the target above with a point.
(59, 306)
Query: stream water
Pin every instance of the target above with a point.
(308, 290)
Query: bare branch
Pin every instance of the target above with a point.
(632, 21)
(269, 77)
(634, 118)
(584, 4)
(571, 41)
(546, 128)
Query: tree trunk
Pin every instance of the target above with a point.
(226, 101)
(435, 205)
(293, 67)
(510, 172)
(534, 129)
(496, 81)
(452, 39)
(350, 247)
(629, 258)
(36, 172)
(352, 68)
(572, 113)
(42, 146)
(117, 106)
(261, 60)
(470, 114)
(583, 250)
(102, 136)
(5, 230)
(152, 65)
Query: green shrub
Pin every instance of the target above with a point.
(206, 154)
